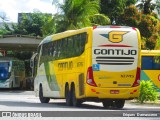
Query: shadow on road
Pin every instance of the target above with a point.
(50, 105)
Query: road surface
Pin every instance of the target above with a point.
(23, 103)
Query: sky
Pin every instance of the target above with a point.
(13, 7)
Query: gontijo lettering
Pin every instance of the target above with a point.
(65, 65)
(114, 52)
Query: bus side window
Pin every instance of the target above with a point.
(50, 48)
(156, 63)
(54, 49)
(59, 48)
(147, 63)
(76, 45)
(44, 50)
(70, 47)
(83, 41)
(65, 48)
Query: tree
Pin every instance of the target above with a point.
(158, 6)
(147, 6)
(77, 14)
(130, 17)
(149, 26)
(114, 8)
(33, 24)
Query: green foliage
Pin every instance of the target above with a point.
(158, 6)
(114, 8)
(78, 14)
(152, 41)
(130, 17)
(34, 24)
(143, 43)
(149, 26)
(158, 43)
(147, 6)
(5, 30)
(48, 28)
(147, 92)
(23, 55)
(99, 19)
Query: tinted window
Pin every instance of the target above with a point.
(150, 63)
(65, 48)
(4, 66)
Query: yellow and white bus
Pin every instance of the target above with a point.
(151, 67)
(100, 63)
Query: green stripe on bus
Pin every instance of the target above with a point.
(144, 76)
(51, 78)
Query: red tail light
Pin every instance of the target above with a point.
(134, 28)
(94, 27)
(137, 80)
(90, 79)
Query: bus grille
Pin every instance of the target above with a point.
(115, 60)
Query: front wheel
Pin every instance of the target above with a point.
(41, 98)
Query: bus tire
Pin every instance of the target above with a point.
(41, 98)
(76, 102)
(107, 103)
(68, 96)
(119, 103)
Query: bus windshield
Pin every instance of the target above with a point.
(4, 66)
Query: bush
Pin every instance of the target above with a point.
(147, 92)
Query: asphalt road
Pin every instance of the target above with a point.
(24, 104)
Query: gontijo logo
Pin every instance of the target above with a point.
(115, 36)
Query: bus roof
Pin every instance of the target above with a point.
(150, 52)
(64, 34)
(78, 31)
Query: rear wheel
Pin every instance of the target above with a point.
(68, 96)
(119, 103)
(41, 98)
(76, 102)
(107, 103)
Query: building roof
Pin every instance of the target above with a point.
(19, 42)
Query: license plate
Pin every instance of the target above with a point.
(114, 91)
